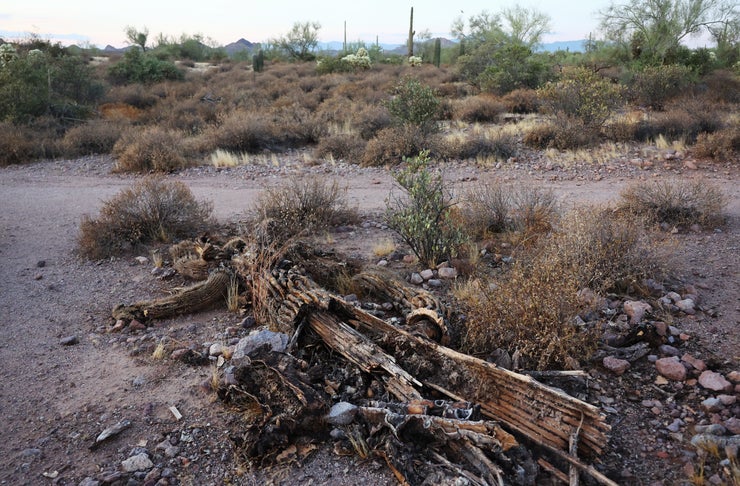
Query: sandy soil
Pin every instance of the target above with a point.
(55, 399)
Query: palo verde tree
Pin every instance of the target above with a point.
(136, 37)
(300, 42)
(653, 29)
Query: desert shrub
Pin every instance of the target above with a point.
(681, 122)
(621, 129)
(675, 202)
(17, 144)
(392, 144)
(583, 96)
(565, 134)
(481, 108)
(654, 85)
(414, 103)
(152, 210)
(723, 144)
(423, 216)
(140, 67)
(532, 306)
(500, 146)
(521, 101)
(134, 95)
(722, 86)
(297, 126)
(370, 120)
(341, 146)
(243, 131)
(302, 205)
(151, 149)
(97, 137)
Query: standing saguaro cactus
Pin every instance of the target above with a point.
(258, 61)
(437, 51)
(411, 34)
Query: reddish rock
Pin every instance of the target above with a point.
(671, 368)
(714, 381)
(733, 425)
(734, 376)
(135, 325)
(697, 363)
(616, 365)
(636, 309)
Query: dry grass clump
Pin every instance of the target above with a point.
(341, 147)
(722, 145)
(152, 210)
(152, 149)
(371, 119)
(16, 144)
(675, 202)
(531, 307)
(392, 144)
(522, 101)
(491, 145)
(242, 131)
(93, 137)
(135, 95)
(562, 135)
(224, 158)
(680, 121)
(478, 109)
(301, 205)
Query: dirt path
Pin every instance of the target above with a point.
(55, 399)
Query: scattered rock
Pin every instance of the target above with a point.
(69, 340)
(383, 263)
(734, 376)
(139, 462)
(427, 274)
(342, 413)
(636, 309)
(733, 425)
(447, 272)
(216, 349)
(697, 363)
(676, 425)
(712, 404)
(671, 368)
(434, 282)
(616, 365)
(416, 279)
(686, 306)
(142, 260)
(727, 400)
(277, 341)
(714, 381)
(668, 350)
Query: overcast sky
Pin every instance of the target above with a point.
(102, 22)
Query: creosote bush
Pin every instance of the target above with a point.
(423, 217)
(152, 210)
(153, 149)
(722, 145)
(302, 205)
(98, 137)
(675, 202)
(415, 103)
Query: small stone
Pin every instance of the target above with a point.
(671, 368)
(711, 429)
(434, 282)
(727, 400)
(427, 274)
(38, 276)
(616, 365)
(383, 263)
(69, 340)
(686, 306)
(135, 325)
(675, 426)
(41, 263)
(635, 310)
(734, 376)
(142, 260)
(447, 272)
(216, 349)
(696, 363)
(661, 380)
(714, 381)
(342, 413)
(661, 328)
(668, 350)
(139, 462)
(416, 279)
(248, 322)
(277, 341)
(712, 404)
(733, 425)
(409, 259)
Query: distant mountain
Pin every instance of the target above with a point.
(572, 46)
(400, 49)
(238, 46)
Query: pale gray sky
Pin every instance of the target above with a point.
(102, 22)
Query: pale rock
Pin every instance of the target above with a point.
(342, 413)
(277, 341)
(673, 296)
(447, 272)
(427, 274)
(733, 425)
(216, 349)
(616, 365)
(636, 310)
(712, 404)
(139, 462)
(671, 368)
(714, 381)
(697, 363)
(383, 263)
(686, 306)
(727, 400)
(416, 279)
(734, 376)
(675, 426)
(142, 260)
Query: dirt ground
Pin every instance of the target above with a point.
(55, 398)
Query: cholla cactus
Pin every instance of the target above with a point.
(361, 60)
(36, 55)
(7, 54)
(414, 61)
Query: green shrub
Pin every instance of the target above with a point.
(151, 149)
(152, 210)
(654, 85)
(675, 202)
(423, 217)
(300, 206)
(414, 103)
(139, 67)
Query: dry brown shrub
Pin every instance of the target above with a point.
(119, 111)
(680, 121)
(152, 210)
(93, 137)
(150, 149)
(301, 205)
(565, 134)
(722, 145)
(369, 120)
(341, 147)
(481, 108)
(242, 131)
(297, 126)
(722, 86)
(675, 202)
(532, 307)
(500, 146)
(522, 101)
(392, 144)
(17, 144)
(135, 95)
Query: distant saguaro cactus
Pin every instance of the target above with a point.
(437, 51)
(411, 34)
(258, 61)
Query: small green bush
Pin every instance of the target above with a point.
(414, 103)
(139, 67)
(424, 217)
(653, 86)
(151, 149)
(152, 210)
(675, 202)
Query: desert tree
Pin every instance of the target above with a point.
(655, 28)
(136, 37)
(300, 41)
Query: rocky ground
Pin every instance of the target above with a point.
(67, 378)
